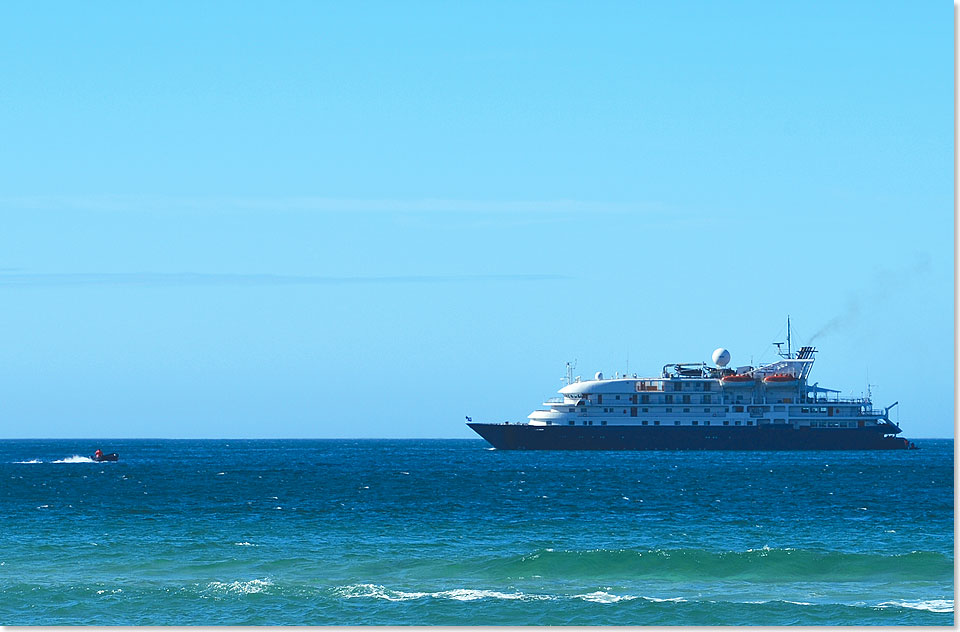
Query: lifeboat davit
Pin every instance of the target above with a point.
(737, 380)
(780, 379)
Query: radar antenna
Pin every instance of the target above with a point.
(789, 353)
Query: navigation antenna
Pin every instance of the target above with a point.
(789, 354)
(779, 344)
(569, 375)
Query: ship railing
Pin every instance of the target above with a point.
(836, 398)
(554, 400)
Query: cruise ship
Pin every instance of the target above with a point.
(696, 406)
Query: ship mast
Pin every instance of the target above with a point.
(789, 348)
(569, 376)
(788, 338)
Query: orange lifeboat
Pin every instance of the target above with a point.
(780, 379)
(737, 380)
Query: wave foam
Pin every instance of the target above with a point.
(931, 605)
(376, 591)
(30, 461)
(457, 594)
(76, 458)
(467, 594)
(241, 588)
(659, 600)
(604, 597)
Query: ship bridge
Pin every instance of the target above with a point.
(611, 385)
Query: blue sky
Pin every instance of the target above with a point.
(230, 219)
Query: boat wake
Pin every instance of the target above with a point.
(76, 458)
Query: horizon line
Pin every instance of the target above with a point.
(383, 439)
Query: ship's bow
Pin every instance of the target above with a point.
(495, 434)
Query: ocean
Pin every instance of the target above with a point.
(451, 532)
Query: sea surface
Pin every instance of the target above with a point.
(240, 532)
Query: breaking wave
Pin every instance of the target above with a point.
(762, 565)
(376, 591)
(931, 605)
(248, 587)
(601, 596)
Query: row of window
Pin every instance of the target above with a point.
(833, 424)
(669, 410)
(668, 399)
(689, 386)
(736, 409)
(656, 422)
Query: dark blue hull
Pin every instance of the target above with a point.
(526, 437)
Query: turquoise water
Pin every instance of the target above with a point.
(451, 532)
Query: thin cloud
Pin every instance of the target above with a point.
(180, 279)
(213, 204)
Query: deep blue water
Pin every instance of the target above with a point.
(449, 532)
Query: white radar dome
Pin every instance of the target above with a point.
(598, 376)
(721, 357)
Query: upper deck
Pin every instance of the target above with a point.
(703, 378)
(687, 395)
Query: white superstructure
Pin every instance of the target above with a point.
(701, 395)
